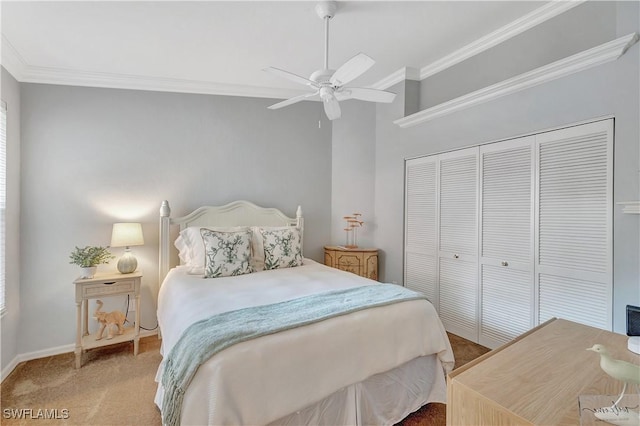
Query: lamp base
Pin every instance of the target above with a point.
(127, 263)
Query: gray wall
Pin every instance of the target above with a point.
(609, 89)
(10, 322)
(353, 171)
(92, 157)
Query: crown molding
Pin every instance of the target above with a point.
(530, 20)
(406, 73)
(23, 72)
(11, 60)
(512, 29)
(48, 75)
(581, 61)
(15, 64)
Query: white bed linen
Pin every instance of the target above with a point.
(260, 381)
(382, 399)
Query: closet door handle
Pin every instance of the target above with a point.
(455, 256)
(504, 263)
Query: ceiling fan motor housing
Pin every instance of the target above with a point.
(322, 76)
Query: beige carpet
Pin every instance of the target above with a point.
(115, 388)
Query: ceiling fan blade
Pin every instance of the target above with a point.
(293, 100)
(365, 94)
(332, 108)
(291, 76)
(351, 69)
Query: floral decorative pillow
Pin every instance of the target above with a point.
(226, 253)
(282, 247)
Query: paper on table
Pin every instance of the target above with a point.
(599, 410)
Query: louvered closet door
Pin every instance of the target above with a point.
(506, 240)
(458, 242)
(420, 236)
(574, 224)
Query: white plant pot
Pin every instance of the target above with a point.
(88, 272)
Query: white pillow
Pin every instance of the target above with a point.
(226, 253)
(281, 246)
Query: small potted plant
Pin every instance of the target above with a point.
(88, 258)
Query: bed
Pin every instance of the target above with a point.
(364, 366)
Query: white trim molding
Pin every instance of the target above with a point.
(48, 75)
(24, 72)
(58, 350)
(35, 355)
(630, 207)
(512, 29)
(11, 60)
(581, 61)
(406, 73)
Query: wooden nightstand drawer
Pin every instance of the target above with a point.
(107, 288)
(360, 261)
(351, 262)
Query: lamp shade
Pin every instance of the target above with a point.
(126, 235)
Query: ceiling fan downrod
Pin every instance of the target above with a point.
(325, 11)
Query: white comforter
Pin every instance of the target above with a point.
(262, 380)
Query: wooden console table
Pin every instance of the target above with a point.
(535, 379)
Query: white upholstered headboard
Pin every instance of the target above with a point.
(237, 213)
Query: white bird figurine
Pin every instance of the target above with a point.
(620, 370)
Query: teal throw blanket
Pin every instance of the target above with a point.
(207, 337)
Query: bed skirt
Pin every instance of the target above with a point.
(382, 399)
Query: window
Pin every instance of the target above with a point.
(3, 197)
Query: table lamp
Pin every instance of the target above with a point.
(127, 235)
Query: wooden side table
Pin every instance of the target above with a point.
(360, 261)
(105, 285)
(536, 379)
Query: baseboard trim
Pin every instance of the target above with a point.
(9, 368)
(58, 350)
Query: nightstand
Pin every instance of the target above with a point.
(360, 261)
(105, 285)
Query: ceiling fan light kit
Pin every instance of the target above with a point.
(329, 85)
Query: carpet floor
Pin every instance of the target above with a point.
(115, 388)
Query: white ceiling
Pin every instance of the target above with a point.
(227, 44)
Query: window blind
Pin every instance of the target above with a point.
(3, 198)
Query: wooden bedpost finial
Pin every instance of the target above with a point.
(299, 212)
(165, 210)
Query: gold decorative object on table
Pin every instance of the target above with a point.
(353, 223)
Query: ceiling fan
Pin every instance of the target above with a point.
(329, 85)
